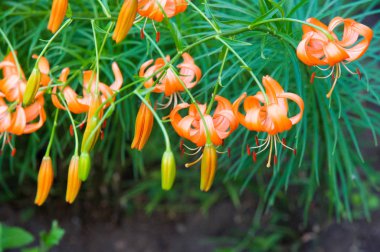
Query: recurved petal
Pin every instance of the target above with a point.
(334, 53)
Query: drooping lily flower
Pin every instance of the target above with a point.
(125, 20)
(169, 84)
(271, 117)
(143, 127)
(155, 9)
(192, 127)
(58, 13)
(316, 49)
(14, 117)
(80, 104)
(45, 181)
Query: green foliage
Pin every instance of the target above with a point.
(18, 238)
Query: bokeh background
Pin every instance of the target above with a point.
(315, 201)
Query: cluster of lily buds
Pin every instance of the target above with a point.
(16, 117)
(317, 49)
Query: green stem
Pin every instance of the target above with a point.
(224, 53)
(96, 58)
(52, 39)
(158, 119)
(72, 123)
(105, 10)
(13, 53)
(328, 35)
(47, 153)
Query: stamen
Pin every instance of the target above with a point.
(283, 142)
(181, 144)
(266, 142)
(351, 72)
(142, 35)
(193, 149)
(359, 73)
(295, 152)
(248, 150)
(322, 69)
(180, 97)
(324, 77)
(312, 78)
(158, 35)
(254, 156)
(270, 152)
(275, 159)
(257, 140)
(194, 153)
(13, 153)
(71, 130)
(187, 165)
(335, 81)
(229, 152)
(101, 135)
(104, 124)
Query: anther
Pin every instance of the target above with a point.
(248, 150)
(275, 159)
(312, 78)
(142, 35)
(71, 130)
(155, 105)
(254, 156)
(158, 34)
(104, 124)
(283, 143)
(295, 152)
(257, 140)
(229, 152)
(13, 153)
(359, 73)
(181, 145)
(101, 135)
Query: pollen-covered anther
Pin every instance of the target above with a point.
(158, 36)
(71, 130)
(312, 78)
(248, 150)
(359, 73)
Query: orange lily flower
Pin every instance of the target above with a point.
(191, 127)
(77, 104)
(153, 9)
(45, 181)
(143, 127)
(125, 20)
(15, 118)
(316, 49)
(170, 84)
(58, 13)
(271, 117)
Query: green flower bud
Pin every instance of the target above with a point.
(168, 170)
(84, 166)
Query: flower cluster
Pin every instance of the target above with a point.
(205, 125)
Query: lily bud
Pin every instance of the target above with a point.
(58, 13)
(168, 170)
(84, 166)
(73, 181)
(89, 139)
(45, 180)
(125, 20)
(32, 87)
(208, 167)
(143, 127)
